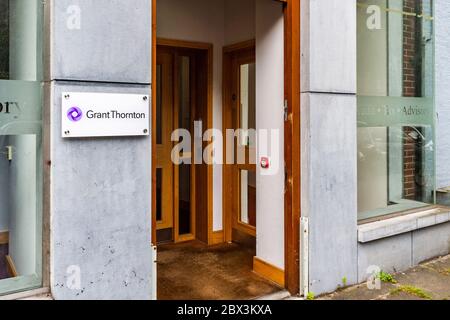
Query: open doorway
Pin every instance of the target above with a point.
(224, 232)
(191, 263)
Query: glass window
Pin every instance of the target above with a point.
(396, 148)
(20, 145)
(184, 170)
(247, 123)
(248, 197)
(159, 134)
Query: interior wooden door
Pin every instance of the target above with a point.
(182, 83)
(244, 121)
(164, 145)
(184, 111)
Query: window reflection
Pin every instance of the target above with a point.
(20, 145)
(395, 106)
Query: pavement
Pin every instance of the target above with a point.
(428, 281)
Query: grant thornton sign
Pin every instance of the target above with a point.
(104, 115)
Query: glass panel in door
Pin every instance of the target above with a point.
(185, 214)
(247, 125)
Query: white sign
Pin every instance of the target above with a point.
(104, 115)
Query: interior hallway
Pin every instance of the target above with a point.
(194, 271)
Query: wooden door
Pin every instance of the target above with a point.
(181, 99)
(245, 121)
(184, 111)
(164, 145)
(242, 118)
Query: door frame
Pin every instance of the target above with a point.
(292, 144)
(292, 131)
(181, 44)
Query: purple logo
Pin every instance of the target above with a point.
(75, 114)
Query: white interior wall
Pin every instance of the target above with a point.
(240, 24)
(270, 115)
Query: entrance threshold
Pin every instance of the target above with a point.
(195, 271)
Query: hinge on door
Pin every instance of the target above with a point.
(286, 110)
(9, 153)
(287, 185)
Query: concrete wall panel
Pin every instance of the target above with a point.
(399, 253)
(101, 214)
(442, 26)
(431, 242)
(329, 46)
(101, 40)
(329, 188)
(390, 255)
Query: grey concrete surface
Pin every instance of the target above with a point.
(101, 40)
(430, 242)
(442, 25)
(328, 35)
(100, 220)
(329, 188)
(402, 224)
(100, 215)
(328, 142)
(430, 280)
(398, 253)
(390, 254)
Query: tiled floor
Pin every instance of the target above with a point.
(193, 271)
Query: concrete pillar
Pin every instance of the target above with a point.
(329, 140)
(100, 208)
(442, 56)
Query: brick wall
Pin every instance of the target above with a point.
(410, 89)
